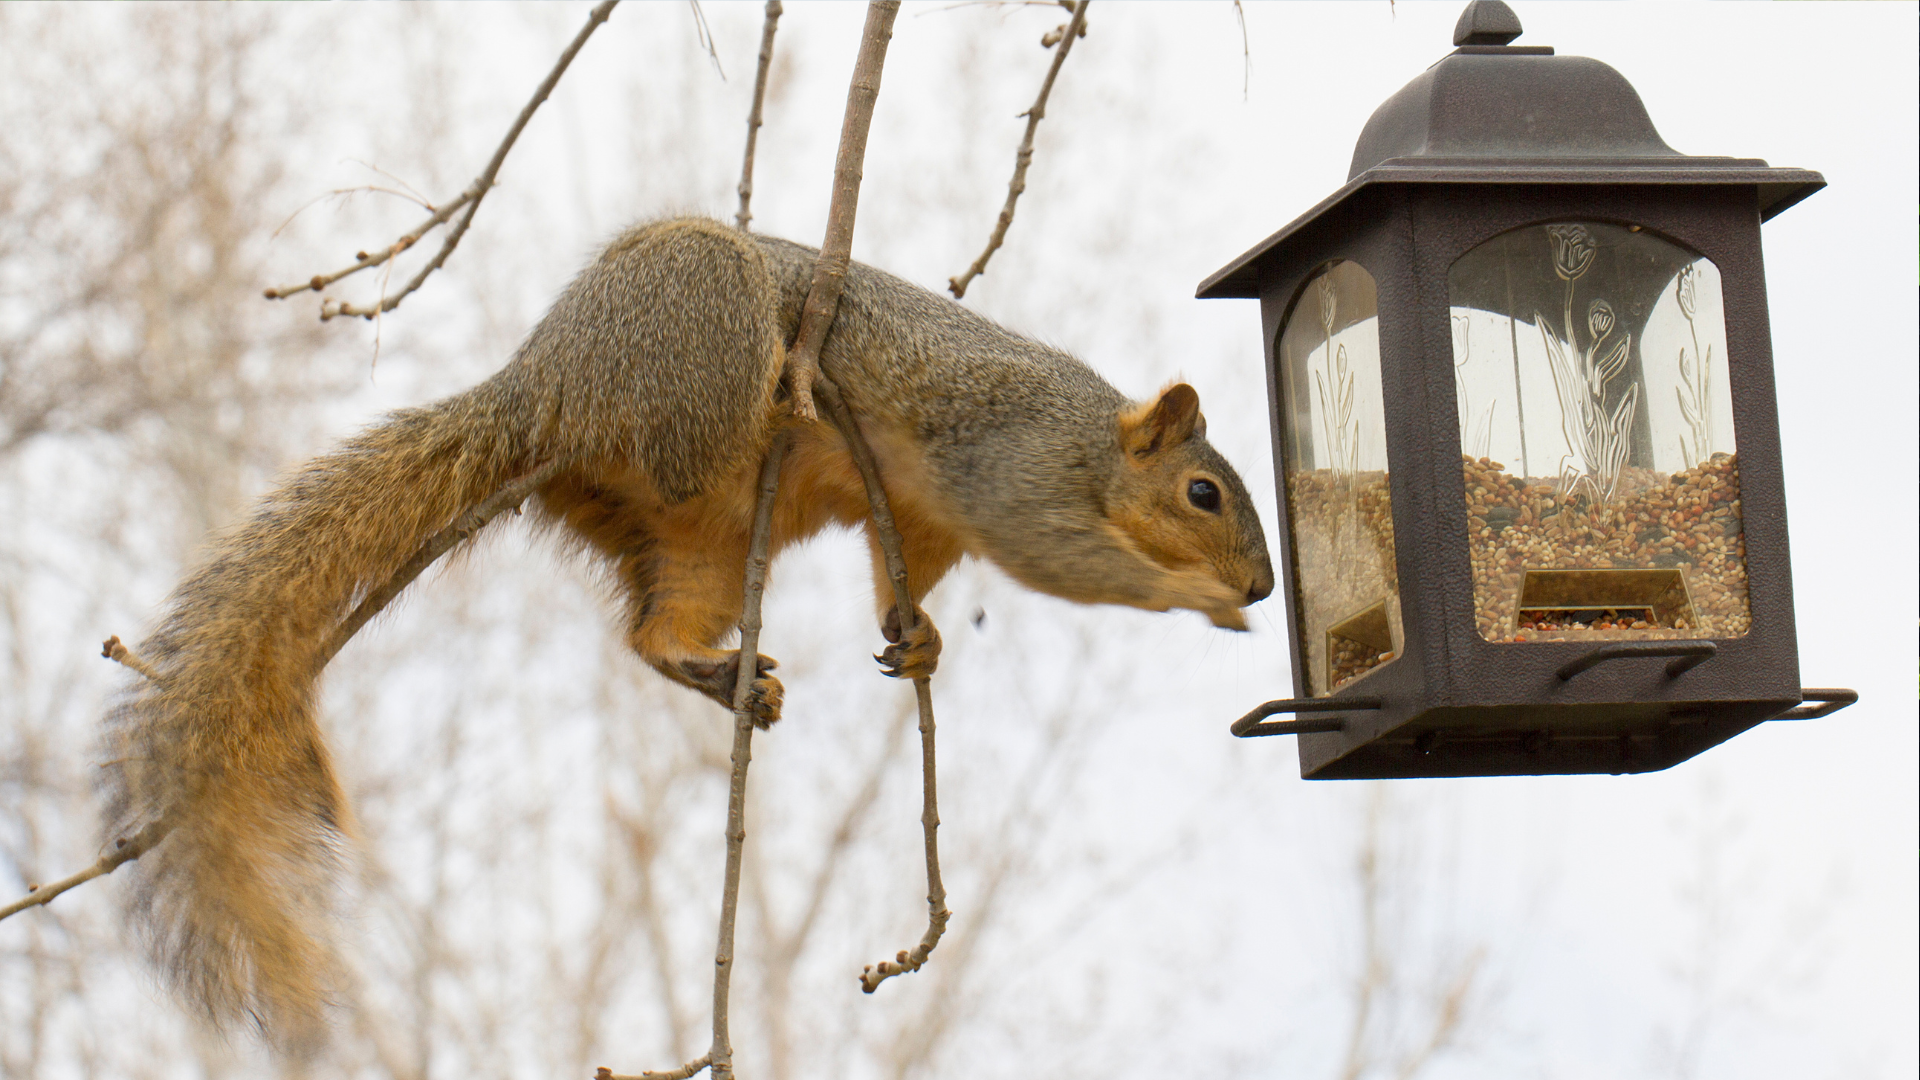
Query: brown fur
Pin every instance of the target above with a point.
(654, 381)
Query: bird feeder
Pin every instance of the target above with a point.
(1525, 433)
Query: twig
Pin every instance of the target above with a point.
(836, 251)
(889, 534)
(1246, 51)
(807, 379)
(741, 219)
(508, 497)
(705, 34)
(126, 849)
(113, 649)
(1068, 4)
(470, 199)
(1075, 28)
(681, 1073)
(719, 1057)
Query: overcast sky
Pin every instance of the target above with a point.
(1760, 900)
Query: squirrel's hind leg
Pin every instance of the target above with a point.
(682, 589)
(680, 601)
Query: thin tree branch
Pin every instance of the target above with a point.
(113, 649)
(836, 251)
(1246, 51)
(681, 1073)
(803, 365)
(741, 219)
(719, 1057)
(823, 300)
(889, 534)
(705, 35)
(470, 199)
(125, 850)
(1075, 28)
(786, 944)
(507, 498)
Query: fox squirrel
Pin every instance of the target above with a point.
(655, 381)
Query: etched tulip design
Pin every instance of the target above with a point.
(1694, 370)
(1599, 319)
(1335, 384)
(1573, 250)
(1597, 437)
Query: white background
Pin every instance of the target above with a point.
(1189, 904)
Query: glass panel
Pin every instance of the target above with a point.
(1335, 442)
(1596, 425)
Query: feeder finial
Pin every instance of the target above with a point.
(1486, 22)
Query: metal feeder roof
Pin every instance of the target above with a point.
(1493, 113)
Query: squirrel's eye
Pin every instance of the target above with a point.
(1204, 494)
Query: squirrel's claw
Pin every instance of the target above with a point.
(764, 699)
(914, 654)
(716, 679)
(765, 695)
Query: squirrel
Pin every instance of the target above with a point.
(655, 383)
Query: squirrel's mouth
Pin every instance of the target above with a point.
(1228, 619)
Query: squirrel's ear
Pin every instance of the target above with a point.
(1169, 421)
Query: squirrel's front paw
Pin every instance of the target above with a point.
(915, 653)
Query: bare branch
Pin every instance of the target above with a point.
(889, 534)
(745, 215)
(508, 497)
(720, 1057)
(1000, 4)
(470, 199)
(1074, 30)
(368, 260)
(836, 251)
(681, 1073)
(113, 649)
(803, 366)
(125, 850)
(705, 33)
(1246, 51)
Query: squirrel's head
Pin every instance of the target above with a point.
(1180, 502)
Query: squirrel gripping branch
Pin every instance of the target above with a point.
(654, 383)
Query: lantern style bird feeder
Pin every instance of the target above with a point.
(1525, 433)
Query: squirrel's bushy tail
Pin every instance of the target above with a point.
(222, 741)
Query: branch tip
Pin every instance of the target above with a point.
(116, 650)
(1061, 40)
(470, 198)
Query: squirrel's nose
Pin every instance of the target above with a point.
(1259, 590)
